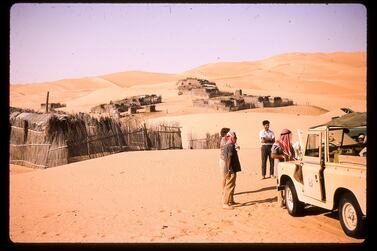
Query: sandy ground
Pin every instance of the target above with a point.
(175, 196)
(157, 197)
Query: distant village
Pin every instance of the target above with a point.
(204, 93)
(129, 104)
(207, 94)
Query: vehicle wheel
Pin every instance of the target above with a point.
(294, 206)
(350, 216)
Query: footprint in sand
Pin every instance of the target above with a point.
(212, 233)
(156, 237)
(227, 222)
(185, 231)
(48, 215)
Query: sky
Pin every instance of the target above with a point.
(50, 42)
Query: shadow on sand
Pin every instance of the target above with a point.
(312, 210)
(259, 190)
(253, 202)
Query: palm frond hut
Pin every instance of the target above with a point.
(31, 141)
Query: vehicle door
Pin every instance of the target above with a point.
(313, 165)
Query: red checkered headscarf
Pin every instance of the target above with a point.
(284, 142)
(231, 137)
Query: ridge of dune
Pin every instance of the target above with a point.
(356, 59)
(350, 59)
(61, 91)
(131, 78)
(225, 69)
(66, 84)
(103, 81)
(309, 72)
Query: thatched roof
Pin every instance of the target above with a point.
(354, 119)
(18, 109)
(36, 121)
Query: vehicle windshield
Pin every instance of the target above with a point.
(345, 141)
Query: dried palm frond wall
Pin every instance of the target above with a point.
(164, 137)
(211, 141)
(47, 140)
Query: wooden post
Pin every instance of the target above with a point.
(145, 136)
(88, 145)
(47, 102)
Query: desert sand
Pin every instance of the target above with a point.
(174, 195)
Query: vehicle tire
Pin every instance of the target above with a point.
(293, 205)
(350, 216)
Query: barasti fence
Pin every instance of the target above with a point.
(209, 142)
(47, 140)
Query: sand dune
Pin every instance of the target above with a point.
(32, 95)
(338, 75)
(174, 196)
(295, 72)
(131, 78)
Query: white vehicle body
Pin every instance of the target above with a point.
(330, 169)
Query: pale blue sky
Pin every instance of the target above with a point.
(59, 41)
